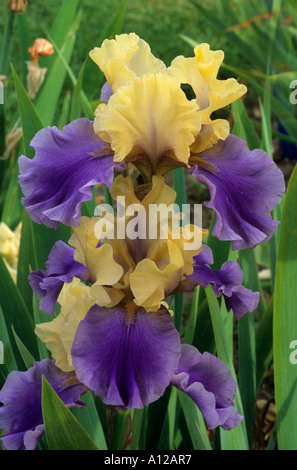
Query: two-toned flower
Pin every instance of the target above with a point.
(148, 120)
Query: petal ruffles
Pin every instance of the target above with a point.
(226, 282)
(67, 164)
(209, 383)
(244, 186)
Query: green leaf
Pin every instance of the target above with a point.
(40, 317)
(8, 354)
(76, 97)
(89, 419)
(195, 422)
(63, 21)
(47, 100)
(137, 425)
(12, 209)
(26, 355)
(119, 429)
(244, 127)
(26, 260)
(235, 439)
(181, 198)
(284, 322)
(24, 41)
(76, 83)
(264, 346)
(62, 430)
(16, 313)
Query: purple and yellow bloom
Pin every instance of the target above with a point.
(114, 332)
(148, 121)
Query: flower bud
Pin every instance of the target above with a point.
(41, 47)
(18, 6)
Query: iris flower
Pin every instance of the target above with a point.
(114, 331)
(148, 120)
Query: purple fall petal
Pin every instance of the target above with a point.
(244, 187)
(60, 267)
(209, 382)
(21, 413)
(67, 164)
(127, 362)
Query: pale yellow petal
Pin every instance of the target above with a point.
(96, 259)
(210, 134)
(50, 334)
(153, 280)
(106, 296)
(58, 334)
(150, 117)
(124, 58)
(211, 93)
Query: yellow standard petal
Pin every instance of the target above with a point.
(211, 94)
(152, 280)
(150, 122)
(124, 58)
(96, 259)
(165, 265)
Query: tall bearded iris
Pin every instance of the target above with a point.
(117, 332)
(114, 331)
(148, 120)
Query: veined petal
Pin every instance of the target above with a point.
(67, 164)
(244, 186)
(128, 358)
(150, 119)
(124, 58)
(21, 416)
(209, 382)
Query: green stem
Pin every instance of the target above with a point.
(120, 430)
